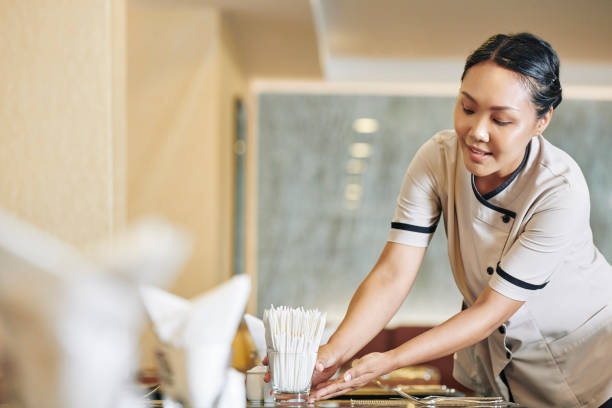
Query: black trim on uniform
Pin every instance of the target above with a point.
(488, 204)
(518, 282)
(414, 228)
(502, 376)
(607, 404)
(506, 183)
(483, 198)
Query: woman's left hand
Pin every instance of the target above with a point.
(363, 371)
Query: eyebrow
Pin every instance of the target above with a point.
(467, 95)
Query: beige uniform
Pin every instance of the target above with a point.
(529, 240)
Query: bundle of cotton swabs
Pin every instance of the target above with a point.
(293, 337)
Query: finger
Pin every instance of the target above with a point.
(321, 385)
(335, 389)
(330, 388)
(265, 361)
(324, 362)
(326, 383)
(319, 393)
(335, 394)
(340, 386)
(267, 377)
(357, 371)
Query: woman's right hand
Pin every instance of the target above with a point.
(328, 362)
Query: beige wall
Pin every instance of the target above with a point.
(182, 79)
(62, 115)
(64, 146)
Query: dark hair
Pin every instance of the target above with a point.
(529, 56)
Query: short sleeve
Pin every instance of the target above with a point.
(418, 204)
(541, 248)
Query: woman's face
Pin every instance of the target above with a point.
(494, 120)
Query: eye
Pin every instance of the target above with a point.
(501, 123)
(466, 110)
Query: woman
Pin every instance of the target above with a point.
(536, 326)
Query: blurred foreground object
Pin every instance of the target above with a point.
(243, 355)
(70, 322)
(258, 334)
(196, 336)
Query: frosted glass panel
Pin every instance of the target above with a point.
(315, 246)
(583, 129)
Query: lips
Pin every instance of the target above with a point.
(477, 155)
(478, 151)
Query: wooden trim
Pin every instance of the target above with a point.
(250, 246)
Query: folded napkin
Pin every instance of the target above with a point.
(196, 337)
(70, 321)
(258, 334)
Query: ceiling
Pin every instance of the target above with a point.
(360, 39)
(449, 28)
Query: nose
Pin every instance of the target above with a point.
(479, 131)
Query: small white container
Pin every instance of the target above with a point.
(256, 388)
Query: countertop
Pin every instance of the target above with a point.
(389, 403)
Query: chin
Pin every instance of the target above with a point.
(477, 170)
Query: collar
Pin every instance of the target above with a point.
(484, 198)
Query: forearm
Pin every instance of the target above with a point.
(377, 299)
(460, 331)
(367, 315)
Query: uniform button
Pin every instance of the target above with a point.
(506, 218)
(490, 270)
(502, 329)
(508, 354)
